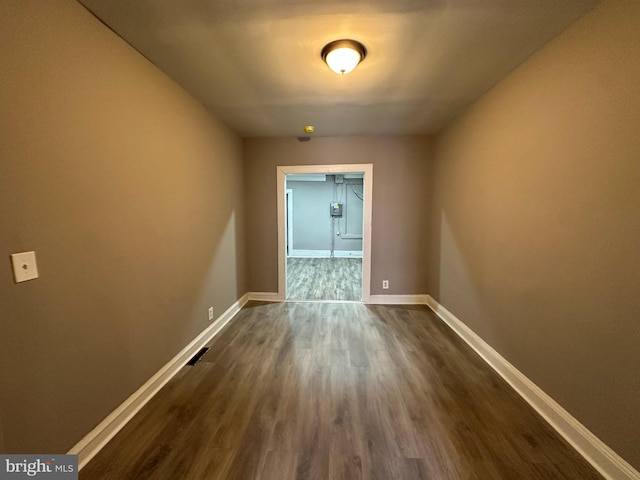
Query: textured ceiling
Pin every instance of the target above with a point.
(256, 63)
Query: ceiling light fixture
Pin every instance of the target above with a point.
(342, 56)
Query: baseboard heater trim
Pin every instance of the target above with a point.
(610, 465)
(97, 438)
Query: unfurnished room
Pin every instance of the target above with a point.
(280, 239)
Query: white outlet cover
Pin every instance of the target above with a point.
(210, 313)
(24, 266)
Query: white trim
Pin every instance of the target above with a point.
(97, 438)
(419, 299)
(264, 296)
(325, 253)
(282, 221)
(311, 177)
(367, 215)
(597, 453)
(289, 195)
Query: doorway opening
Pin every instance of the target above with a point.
(324, 232)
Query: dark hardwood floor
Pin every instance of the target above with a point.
(338, 391)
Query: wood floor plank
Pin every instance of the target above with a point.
(337, 391)
(279, 465)
(324, 279)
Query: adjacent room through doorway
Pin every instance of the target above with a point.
(324, 222)
(324, 236)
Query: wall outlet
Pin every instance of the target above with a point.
(210, 313)
(385, 284)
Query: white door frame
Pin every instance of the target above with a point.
(289, 222)
(367, 170)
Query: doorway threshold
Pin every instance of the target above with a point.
(291, 300)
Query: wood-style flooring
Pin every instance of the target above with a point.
(324, 279)
(337, 391)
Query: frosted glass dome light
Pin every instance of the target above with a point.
(342, 56)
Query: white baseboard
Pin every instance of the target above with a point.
(265, 297)
(325, 254)
(97, 438)
(397, 299)
(597, 453)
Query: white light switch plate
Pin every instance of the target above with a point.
(24, 266)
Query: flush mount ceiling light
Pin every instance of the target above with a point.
(342, 56)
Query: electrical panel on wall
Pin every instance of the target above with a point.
(336, 209)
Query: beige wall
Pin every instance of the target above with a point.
(400, 176)
(130, 194)
(536, 223)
